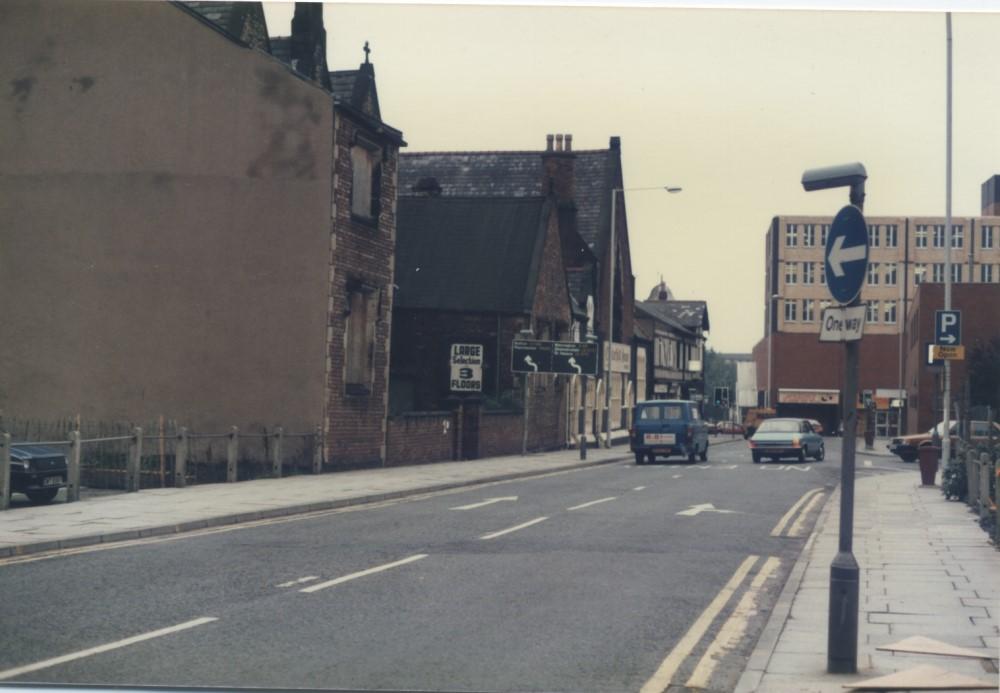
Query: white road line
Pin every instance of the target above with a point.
(494, 535)
(868, 463)
(594, 502)
(638, 488)
(733, 630)
(45, 664)
(796, 529)
(733, 466)
(665, 673)
(301, 580)
(787, 517)
(362, 573)
(481, 504)
(677, 476)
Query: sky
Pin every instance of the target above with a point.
(732, 105)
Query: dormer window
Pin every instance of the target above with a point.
(366, 180)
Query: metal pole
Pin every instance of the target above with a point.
(279, 434)
(582, 419)
(946, 433)
(232, 450)
(842, 624)
(5, 471)
(73, 471)
(133, 473)
(180, 458)
(524, 427)
(611, 322)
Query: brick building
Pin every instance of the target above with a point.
(212, 242)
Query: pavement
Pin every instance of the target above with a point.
(153, 512)
(927, 569)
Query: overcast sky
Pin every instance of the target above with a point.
(730, 104)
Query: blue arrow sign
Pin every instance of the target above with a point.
(847, 254)
(947, 327)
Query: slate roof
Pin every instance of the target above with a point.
(690, 314)
(659, 311)
(232, 18)
(342, 84)
(469, 254)
(517, 174)
(281, 48)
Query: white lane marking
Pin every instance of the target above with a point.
(733, 630)
(665, 673)
(801, 469)
(787, 517)
(677, 476)
(301, 580)
(638, 488)
(481, 504)
(45, 664)
(733, 466)
(796, 529)
(868, 463)
(362, 573)
(703, 508)
(494, 535)
(593, 502)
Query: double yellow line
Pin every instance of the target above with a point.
(803, 506)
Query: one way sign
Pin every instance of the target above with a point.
(948, 327)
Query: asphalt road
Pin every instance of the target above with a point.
(601, 579)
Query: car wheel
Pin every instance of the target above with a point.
(650, 457)
(43, 496)
(756, 457)
(704, 453)
(821, 455)
(639, 458)
(693, 456)
(802, 456)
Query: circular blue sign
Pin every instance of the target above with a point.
(847, 255)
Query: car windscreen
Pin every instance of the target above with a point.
(774, 426)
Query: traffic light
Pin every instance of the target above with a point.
(717, 399)
(725, 397)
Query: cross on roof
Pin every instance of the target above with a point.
(367, 51)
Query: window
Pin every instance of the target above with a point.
(822, 273)
(791, 235)
(938, 235)
(809, 235)
(986, 274)
(359, 354)
(808, 272)
(919, 273)
(808, 310)
(891, 235)
(890, 274)
(890, 312)
(872, 311)
(872, 274)
(956, 273)
(824, 231)
(937, 273)
(986, 237)
(791, 273)
(874, 233)
(957, 234)
(366, 180)
(790, 311)
(921, 235)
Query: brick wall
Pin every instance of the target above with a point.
(500, 433)
(420, 438)
(359, 252)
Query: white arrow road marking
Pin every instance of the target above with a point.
(867, 463)
(733, 466)
(362, 573)
(787, 517)
(300, 581)
(638, 488)
(480, 504)
(703, 508)
(494, 535)
(839, 255)
(594, 502)
(800, 469)
(46, 663)
(676, 476)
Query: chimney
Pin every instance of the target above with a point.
(557, 168)
(559, 143)
(569, 143)
(548, 142)
(308, 44)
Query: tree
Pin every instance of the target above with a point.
(984, 374)
(719, 372)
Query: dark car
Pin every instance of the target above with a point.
(37, 471)
(668, 427)
(777, 438)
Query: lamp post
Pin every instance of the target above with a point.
(611, 302)
(770, 336)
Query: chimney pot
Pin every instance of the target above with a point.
(559, 143)
(569, 143)
(548, 142)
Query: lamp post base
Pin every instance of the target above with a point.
(842, 631)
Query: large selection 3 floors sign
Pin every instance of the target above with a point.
(466, 368)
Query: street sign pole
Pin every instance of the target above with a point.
(582, 419)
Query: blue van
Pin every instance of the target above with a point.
(668, 427)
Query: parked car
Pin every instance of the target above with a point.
(754, 417)
(816, 426)
(37, 471)
(668, 427)
(777, 438)
(906, 446)
(730, 428)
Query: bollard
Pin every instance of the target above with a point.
(73, 472)
(180, 458)
(134, 459)
(232, 449)
(5, 471)
(317, 461)
(279, 433)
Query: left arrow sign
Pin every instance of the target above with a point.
(839, 255)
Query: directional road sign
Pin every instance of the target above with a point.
(842, 324)
(847, 254)
(948, 327)
(570, 358)
(948, 353)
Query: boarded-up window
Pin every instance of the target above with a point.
(360, 339)
(366, 179)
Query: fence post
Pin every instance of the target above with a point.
(73, 473)
(5, 471)
(317, 461)
(132, 480)
(279, 433)
(180, 458)
(232, 449)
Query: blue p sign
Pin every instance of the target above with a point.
(947, 327)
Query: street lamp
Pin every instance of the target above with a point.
(611, 302)
(770, 338)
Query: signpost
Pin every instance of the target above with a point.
(466, 368)
(948, 327)
(566, 358)
(842, 324)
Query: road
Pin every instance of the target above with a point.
(617, 577)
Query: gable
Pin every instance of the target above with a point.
(551, 300)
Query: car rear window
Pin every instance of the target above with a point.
(778, 426)
(650, 413)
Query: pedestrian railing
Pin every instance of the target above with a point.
(182, 441)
